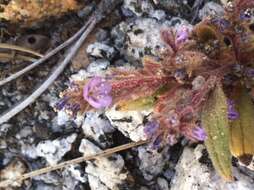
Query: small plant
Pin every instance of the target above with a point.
(199, 89)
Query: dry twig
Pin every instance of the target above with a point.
(8, 56)
(46, 57)
(19, 48)
(56, 72)
(104, 153)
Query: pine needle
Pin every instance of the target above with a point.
(104, 153)
(19, 48)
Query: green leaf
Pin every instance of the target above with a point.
(137, 104)
(242, 130)
(141, 103)
(215, 122)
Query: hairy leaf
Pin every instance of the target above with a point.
(215, 122)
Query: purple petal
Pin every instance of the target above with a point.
(96, 93)
(173, 119)
(100, 102)
(199, 133)
(157, 142)
(233, 115)
(91, 84)
(150, 128)
(61, 103)
(232, 112)
(105, 101)
(221, 23)
(182, 35)
(104, 88)
(95, 81)
(249, 72)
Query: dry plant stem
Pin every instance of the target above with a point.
(56, 72)
(47, 56)
(104, 153)
(7, 56)
(19, 48)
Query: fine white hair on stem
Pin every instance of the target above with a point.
(47, 56)
(56, 72)
(104, 153)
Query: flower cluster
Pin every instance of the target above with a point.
(208, 51)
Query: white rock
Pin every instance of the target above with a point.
(101, 50)
(49, 178)
(28, 150)
(76, 172)
(12, 171)
(3, 144)
(24, 132)
(143, 188)
(4, 128)
(53, 151)
(158, 14)
(72, 175)
(138, 7)
(108, 171)
(96, 184)
(97, 66)
(177, 22)
(191, 174)
(118, 34)
(81, 75)
(163, 184)
(97, 128)
(211, 9)
(47, 187)
(62, 117)
(152, 162)
(144, 36)
(130, 123)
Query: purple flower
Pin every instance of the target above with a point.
(72, 109)
(199, 133)
(249, 72)
(97, 93)
(232, 113)
(61, 103)
(156, 143)
(182, 35)
(173, 119)
(150, 128)
(221, 23)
